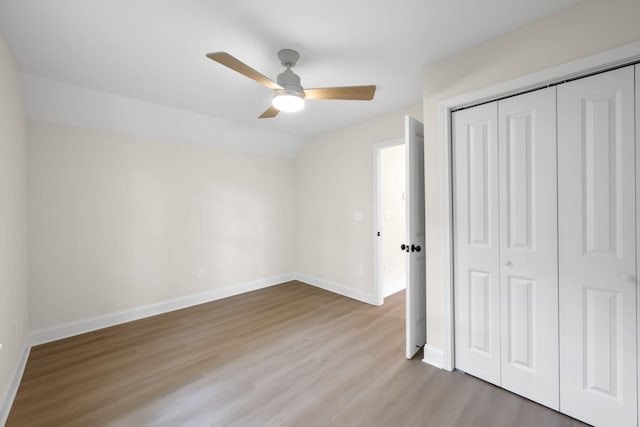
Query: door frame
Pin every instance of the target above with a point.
(377, 217)
(597, 63)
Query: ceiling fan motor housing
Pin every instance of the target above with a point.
(290, 82)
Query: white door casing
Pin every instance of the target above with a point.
(528, 245)
(637, 83)
(476, 242)
(416, 327)
(597, 254)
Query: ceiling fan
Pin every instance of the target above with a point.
(288, 94)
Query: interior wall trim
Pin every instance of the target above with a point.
(65, 330)
(339, 289)
(593, 64)
(432, 356)
(6, 401)
(393, 287)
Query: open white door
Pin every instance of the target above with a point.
(415, 241)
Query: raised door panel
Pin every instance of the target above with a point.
(597, 248)
(479, 312)
(528, 246)
(476, 247)
(521, 340)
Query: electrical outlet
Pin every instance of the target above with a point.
(201, 273)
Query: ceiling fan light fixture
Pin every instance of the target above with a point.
(289, 102)
(289, 95)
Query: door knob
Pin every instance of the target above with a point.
(415, 248)
(629, 278)
(508, 263)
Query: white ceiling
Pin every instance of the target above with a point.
(154, 50)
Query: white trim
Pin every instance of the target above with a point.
(337, 288)
(433, 356)
(9, 397)
(447, 241)
(380, 290)
(393, 287)
(69, 329)
(571, 70)
(65, 330)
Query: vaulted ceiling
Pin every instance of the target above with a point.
(155, 50)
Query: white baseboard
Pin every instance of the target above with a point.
(6, 401)
(433, 356)
(336, 288)
(393, 287)
(69, 329)
(65, 330)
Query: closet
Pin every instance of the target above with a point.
(544, 215)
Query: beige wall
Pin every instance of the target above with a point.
(579, 31)
(334, 180)
(118, 222)
(13, 225)
(392, 200)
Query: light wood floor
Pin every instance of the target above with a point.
(290, 355)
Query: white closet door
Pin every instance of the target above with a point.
(597, 258)
(528, 246)
(476, 247)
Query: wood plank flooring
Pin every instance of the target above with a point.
(289, 355)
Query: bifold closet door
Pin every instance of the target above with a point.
(505, 227)
(476, 244)
(597, 248)
(528, 246)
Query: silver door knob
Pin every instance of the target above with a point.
(508, 263)
(629, 278)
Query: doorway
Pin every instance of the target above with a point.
(390, 217)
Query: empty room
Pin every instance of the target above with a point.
(340, 213)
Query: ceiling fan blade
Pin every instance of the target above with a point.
(355, 93)
(269, 113)
(236, 65)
